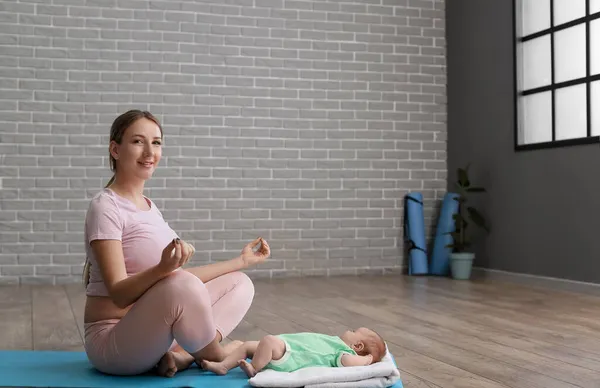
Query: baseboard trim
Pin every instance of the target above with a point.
(538, 280)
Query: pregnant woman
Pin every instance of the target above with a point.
(143, 310)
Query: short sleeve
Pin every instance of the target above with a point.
(103, 220)
(338, 360)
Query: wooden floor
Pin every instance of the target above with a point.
(443, 333)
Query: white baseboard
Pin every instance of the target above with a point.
(538, 280)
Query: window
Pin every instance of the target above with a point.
(557, 73)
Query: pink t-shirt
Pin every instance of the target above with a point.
(143, 234)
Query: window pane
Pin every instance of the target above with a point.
(569, 53)
(535, 118)
(595, 106)
(595, 47)
(535, 63)
(567, 10)
(534, 16)
(594, 6)
(571, 113)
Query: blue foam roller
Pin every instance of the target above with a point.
(439, 263)
(414, 233)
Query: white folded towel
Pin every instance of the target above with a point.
(382, 374)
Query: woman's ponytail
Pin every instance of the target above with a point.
(86, 272)
(110, 181)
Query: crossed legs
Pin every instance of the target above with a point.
(178, 312)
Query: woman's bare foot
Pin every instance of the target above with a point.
(173, 362)
(247, 368)
(215, 367)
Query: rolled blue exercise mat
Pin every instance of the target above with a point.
(439, 263)
(414, 233)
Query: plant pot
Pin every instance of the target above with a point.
(461, 264)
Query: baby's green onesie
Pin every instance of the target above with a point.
(310, 349)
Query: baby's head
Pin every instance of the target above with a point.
(365, 341)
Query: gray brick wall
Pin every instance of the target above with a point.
(304, 122)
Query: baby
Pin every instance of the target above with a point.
(290, 352)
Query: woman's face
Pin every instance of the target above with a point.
(140, 149)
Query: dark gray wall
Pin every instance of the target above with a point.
(543, 205)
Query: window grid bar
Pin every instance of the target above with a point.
(586, 19)
(560, 85)
(515, 94)
(553, 92)
(587, 71)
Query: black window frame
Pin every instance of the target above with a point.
(587, 79)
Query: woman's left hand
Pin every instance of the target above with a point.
(249, 257)
(187, 251)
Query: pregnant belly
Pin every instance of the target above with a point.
(98, 308)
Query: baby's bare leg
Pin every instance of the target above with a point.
(231, 346)
(243, 351)
(268, 349)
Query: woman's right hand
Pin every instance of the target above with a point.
(175, 255)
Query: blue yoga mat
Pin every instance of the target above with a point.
(414, 233)
(28, 368)
(440, 255)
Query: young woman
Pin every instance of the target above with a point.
(143, 310)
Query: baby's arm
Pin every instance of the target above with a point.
(356, 360)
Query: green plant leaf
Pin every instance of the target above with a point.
(457, 216)
(463, 177)
(465, 214)
(477, 218)
(476, 190)
(455, 235)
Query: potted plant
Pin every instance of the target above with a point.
(461, 259)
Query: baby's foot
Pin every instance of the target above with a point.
(247, 368)
(172, 362)
(215, 367)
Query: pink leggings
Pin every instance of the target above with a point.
(180, 309)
